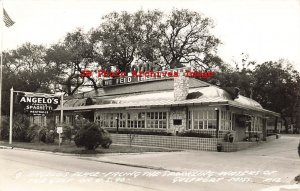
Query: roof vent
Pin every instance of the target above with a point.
(194, 95)
(89, 101)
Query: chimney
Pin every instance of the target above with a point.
(181, 86)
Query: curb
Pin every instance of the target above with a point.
(5, 147)
(131, 165)
(38, 151)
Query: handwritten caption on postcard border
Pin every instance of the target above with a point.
(175, 177)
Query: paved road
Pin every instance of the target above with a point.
(29, 170)
(265, 167)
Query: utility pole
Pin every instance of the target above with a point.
(61, 109)
(11, 114)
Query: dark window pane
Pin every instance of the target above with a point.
(212, 124)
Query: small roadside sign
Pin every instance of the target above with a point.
(59, 130)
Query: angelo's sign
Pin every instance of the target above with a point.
(39, 105)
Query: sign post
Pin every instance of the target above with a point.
(11, 114)
(59, 130)
(61, 109)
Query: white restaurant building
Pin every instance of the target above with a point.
(173, 105)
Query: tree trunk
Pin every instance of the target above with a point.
(286, 125)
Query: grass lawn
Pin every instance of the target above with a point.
(71, 148)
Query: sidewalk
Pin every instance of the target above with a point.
(278, 156)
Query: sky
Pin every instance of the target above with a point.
(264, 29)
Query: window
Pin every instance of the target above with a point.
(39, 120)
(225, 120)
(57, 119)
(133, 120)
(261, 124)
(233, 120)
(106, 119)
(205, 119)
(122, 120)
(157, 120)
(136, 120)
(67, 119)
(177, 121)
(189, 120)
(256, 124)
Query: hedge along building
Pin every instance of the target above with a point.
(172, 104)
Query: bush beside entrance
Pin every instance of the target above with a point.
(21, 131)
(90, 136)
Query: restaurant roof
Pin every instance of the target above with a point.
(209, 95)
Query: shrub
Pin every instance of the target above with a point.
(246, 139)
(67, 132)
(89, 136)
(43, 134)
(22, 131)
(46, 136)
(106, 139)
(20, 126)
(229, 137)
(28, 134)
(4, 128)
(80, 123)
(297, 179)
(51, 124)
(32, 133)
(50, 136)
